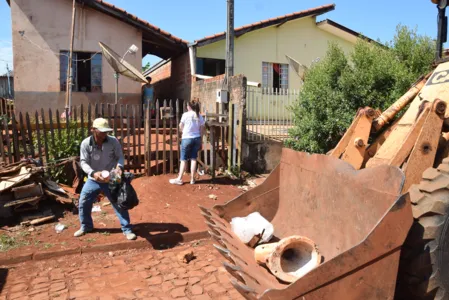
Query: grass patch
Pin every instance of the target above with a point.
(8, 242)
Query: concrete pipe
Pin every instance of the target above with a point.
(290, 258)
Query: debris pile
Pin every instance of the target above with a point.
(23, 186)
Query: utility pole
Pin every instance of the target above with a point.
(68, 101)
(228, 75)
(230, 42)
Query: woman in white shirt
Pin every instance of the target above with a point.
(192, 127)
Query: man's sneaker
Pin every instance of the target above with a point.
(130, 236)
(80, 233)
(176, 181)
(192, 181)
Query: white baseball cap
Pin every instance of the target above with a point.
(102, 125)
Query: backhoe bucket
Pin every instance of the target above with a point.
(357, 219)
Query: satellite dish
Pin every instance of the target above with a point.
(297, 66)
(121, 67)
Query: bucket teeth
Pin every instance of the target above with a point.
(208, 218)
(217, 238)
(243, 289)
(224, 252)
(213, 228)
(233, 269)
(205, 210)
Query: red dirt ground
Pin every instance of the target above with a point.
(163, 208)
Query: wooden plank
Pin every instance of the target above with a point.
(147, 148)
(150, 128)
(22, 134)
(109, 113)
(58, 122)
(30, 134)
(122, 140)
(171, 137)
(2, 145)
(164, 151)
(15, 138)
(212, 151)
(8, 141)
(47, 155)
(128, 137)
(82, 122)
(39, 141)
(75, 118)
(139, 135)
(89, 116)
(67, 124)
(178, 139)
(52, 131)
(102, 110)
(134, 137)
(96, 111)
(157, 137)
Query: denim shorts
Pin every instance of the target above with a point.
(190, 148)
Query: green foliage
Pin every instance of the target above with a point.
(146, 67)
(338, 85)
(8, 242)
(63, 148)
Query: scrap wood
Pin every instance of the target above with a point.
(36, 215)
(63, 199)
(54, 187)
(13, 168)
(37, 221)
(27, 191)
(23, 201)
(11, 181)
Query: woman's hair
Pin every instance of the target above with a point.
(195, 106)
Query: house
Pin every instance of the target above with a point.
(41, 40)
(273, 53)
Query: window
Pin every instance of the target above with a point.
(274, 75)
(210, 66)
(86, 71)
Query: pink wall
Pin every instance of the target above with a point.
(46, 25)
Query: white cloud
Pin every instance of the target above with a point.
(5, 56)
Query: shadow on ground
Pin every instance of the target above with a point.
(159, 235)
(3, 276)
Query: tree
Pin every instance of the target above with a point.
(146, 67)
(371, 75)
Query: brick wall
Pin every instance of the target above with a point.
(173, 80)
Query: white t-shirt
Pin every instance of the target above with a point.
(192, 125)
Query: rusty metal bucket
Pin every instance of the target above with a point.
(357, 219)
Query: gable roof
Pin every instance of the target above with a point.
(331, 26)
(154, 40)
(266, 23)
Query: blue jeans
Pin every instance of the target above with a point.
(190, 148)
(89, 193)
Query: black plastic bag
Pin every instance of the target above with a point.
(123, 193)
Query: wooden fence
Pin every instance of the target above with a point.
(149, 137)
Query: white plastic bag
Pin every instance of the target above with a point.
(253, 224)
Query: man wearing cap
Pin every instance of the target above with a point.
(100, 152)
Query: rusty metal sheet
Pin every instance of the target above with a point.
(353, 216)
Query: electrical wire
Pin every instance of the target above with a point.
(60, 54)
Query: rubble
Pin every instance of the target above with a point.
(23, 186)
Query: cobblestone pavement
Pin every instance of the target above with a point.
(133, 274)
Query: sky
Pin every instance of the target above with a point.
(192, 20)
